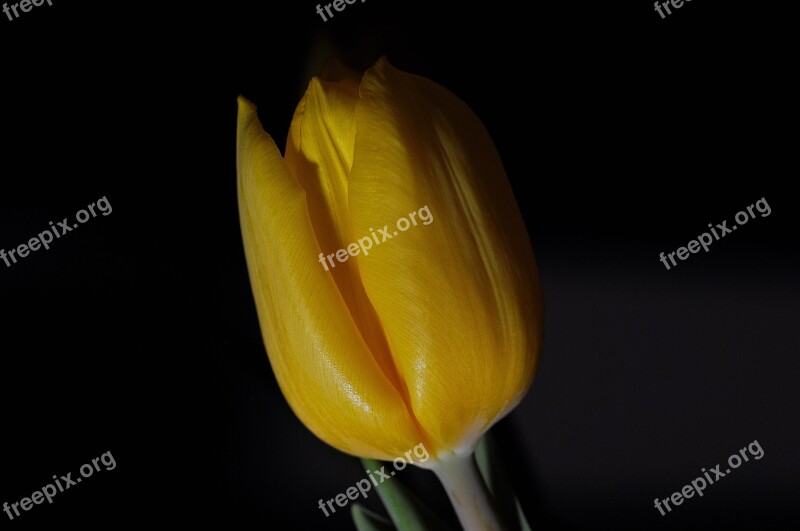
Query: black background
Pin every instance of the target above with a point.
(623, 135)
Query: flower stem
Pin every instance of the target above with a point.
(468, 493)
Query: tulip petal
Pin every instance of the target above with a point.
(325, 370)
(319, 153)
(459, 297)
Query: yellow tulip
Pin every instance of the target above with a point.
(435, 334)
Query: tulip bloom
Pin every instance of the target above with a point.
(435, 335)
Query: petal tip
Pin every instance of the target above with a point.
(245, 106)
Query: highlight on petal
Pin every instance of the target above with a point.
(324, 368)
(459, 299)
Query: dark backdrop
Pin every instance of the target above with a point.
(624, 135)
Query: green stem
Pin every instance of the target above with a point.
(468, 493)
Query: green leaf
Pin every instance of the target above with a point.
(366, 520)
(523, 522)
(494, 473)
(406, 510)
